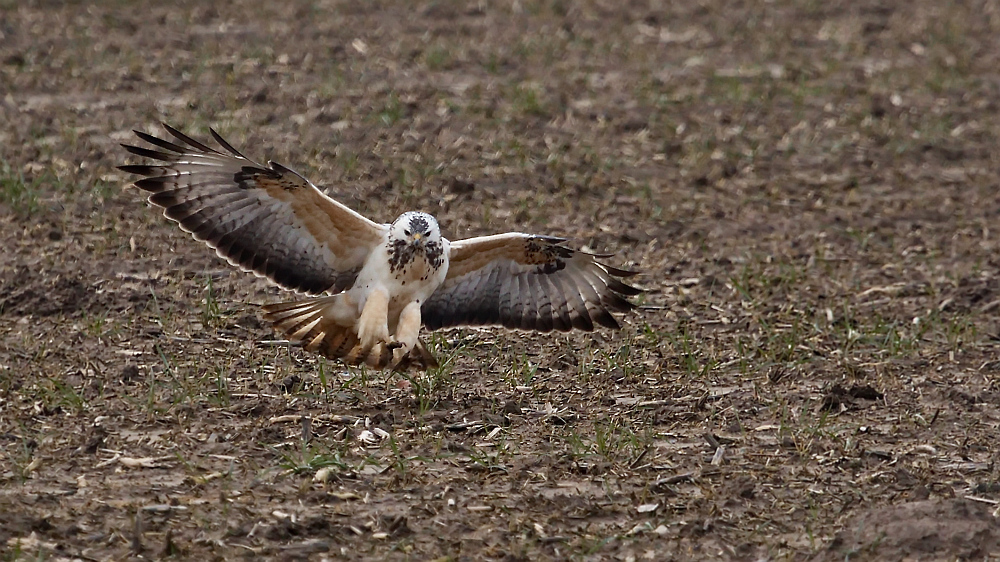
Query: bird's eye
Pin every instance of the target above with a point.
(406, 232)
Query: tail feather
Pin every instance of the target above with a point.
(310, 322)
(305, 321)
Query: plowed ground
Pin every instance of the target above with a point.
(809, 188)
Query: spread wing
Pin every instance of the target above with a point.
(527, 282)
(265, 219)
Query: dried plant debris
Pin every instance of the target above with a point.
(810, 193)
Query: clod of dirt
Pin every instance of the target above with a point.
(249, 322)
(512, 407)
(923, 530)
(461, 186)
(260, 96)
(865, 391)
(290, 383)
(839, 399)
(95, 440)
(129, 373)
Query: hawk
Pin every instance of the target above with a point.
(370, 287)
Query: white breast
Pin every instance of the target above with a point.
(416, 280)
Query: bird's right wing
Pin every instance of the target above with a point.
(266, 219)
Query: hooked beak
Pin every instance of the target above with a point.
(417, 237)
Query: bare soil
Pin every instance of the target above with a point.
(809, 188)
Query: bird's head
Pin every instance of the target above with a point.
(416, 229)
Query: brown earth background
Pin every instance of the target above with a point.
(809, 188)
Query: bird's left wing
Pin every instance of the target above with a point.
(527, 282)
(265, 219)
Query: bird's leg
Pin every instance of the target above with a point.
(373, 325)
(407, 330)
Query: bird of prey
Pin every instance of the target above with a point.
(370, 287)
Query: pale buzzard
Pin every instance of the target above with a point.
(373, 285)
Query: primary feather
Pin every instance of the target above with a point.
(265, 219)
(527, 282)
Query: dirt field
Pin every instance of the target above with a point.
(810, 190)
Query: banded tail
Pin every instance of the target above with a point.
(309, 322)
